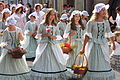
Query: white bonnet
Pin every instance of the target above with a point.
(74, 13)
(100, 6)
(39, 5)
(64, 16)
(11, 21)
(32, 14)
(18, 6)
(6, 10)
(13, 5)
(85, 13)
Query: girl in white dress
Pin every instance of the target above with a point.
(30, 33)
(5, 14)
(10, 68)
(40, 14)
(95, 45)
(20, 16)
(115, 56)
(49, 63)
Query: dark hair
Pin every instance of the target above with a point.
(54, 22)
(18, 10)
(73, 26)
(65, 5)
(29, 5)
(36, 6)
(3, 17)
(118, 8)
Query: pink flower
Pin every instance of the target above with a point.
(48, 30)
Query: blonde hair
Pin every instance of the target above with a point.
(117, 33)
(94, 17)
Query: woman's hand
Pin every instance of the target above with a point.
(5, 46)
(82, 51)
(72, 34)
(34, 34)
(46, 35)
(20, 36)
(53, 37)
(113, 46)
(30, 33)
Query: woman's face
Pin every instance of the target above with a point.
(13, 10)
(7, 14)
(77, 17)
(38, 8)
(118, 38)
(103, 12)
(1, 7)
(52, 16)
(32, 18)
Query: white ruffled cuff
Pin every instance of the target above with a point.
(3, 44)
(88, 34)
(66, 35)
(59, 37)
(38, 36)
(26, 31)
(109, 34)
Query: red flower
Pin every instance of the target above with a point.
(48, 30)
(67, 44)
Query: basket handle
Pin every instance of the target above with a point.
(84, 56)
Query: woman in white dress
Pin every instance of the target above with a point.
(49, 63)
(95, 45)
(40, 14)
(20, 16)
(11, 68)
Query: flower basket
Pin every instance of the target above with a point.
(80, 65)
(67, 48)
(17, 53)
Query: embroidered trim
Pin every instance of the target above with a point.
(13, 74)
(49, 72)
(100, 71)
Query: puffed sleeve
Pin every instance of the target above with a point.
(108, 33)
(67, 31)
(57, 33)
(89, 29)
(39, 32)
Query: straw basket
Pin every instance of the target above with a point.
(78, 66)
(66, 49)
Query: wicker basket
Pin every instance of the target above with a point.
(66, 50)
(80, 69)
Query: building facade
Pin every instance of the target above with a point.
(58, 4)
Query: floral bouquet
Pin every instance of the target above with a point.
(17, 52)
(67, 48)
(48, 30)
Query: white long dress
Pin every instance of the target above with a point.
(50, 62)
(10, 68)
